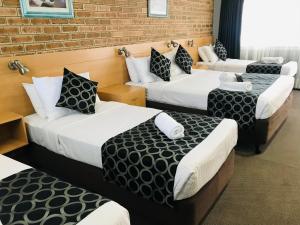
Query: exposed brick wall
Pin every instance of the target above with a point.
(100, 23)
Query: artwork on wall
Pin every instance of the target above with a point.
(158, 8)
(47, 8)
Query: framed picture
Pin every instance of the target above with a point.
(158, 8)
(47, 8)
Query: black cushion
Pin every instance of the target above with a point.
(184, 60)
(77, 93)
(220, 50)
(160, 65)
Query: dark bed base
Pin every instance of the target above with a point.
(186, 212)
(264, 131)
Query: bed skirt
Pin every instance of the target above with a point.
(190, 211)
(265, 129)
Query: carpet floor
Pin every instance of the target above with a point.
(265, 188)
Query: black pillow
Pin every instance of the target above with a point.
(77, 93)
(160, 65)
(239, 78)
(220, 50)
(184, 60)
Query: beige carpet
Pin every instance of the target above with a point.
(265, 188)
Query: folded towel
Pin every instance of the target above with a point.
(170, 127)
(227, 77)
(278, 60)
(236, 86)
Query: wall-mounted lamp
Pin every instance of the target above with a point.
(191, 43)
(17, 65)
(123, 51)
(172, 44)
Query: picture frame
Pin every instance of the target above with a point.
(158, 8)
(47, 8)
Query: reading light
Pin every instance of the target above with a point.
(17, 65)
(175, 44)
(191, 43)
(123, 51)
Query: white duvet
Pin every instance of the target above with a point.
(240, 66)
(80, 137)
(192, 91)
(111, 213)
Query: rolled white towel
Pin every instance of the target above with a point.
(278, 60)
(170, 127)
(236, 86)
(227, 77)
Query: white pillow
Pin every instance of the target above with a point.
(35, 100)
(134, 76)
(142, 67)
(175, 69)
(49, 89)
(202, 54)
(212, 56)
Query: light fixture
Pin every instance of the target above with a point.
(174, 44)
(191, 43)
(123, 51)
(17, 65)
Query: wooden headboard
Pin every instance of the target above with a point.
(104, 65)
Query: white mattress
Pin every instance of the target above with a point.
(81, 137)
(240, 66)
(110, 213)
(192, 91)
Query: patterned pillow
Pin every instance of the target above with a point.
(160, 65)
(184, 60)
(77, 93)
(220, 50)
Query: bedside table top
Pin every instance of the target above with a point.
(120, 88)
(9, 116)
(203, 67)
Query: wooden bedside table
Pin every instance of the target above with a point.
(12, 132)
(124, 93)
(200, 67)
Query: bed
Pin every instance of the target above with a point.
(190, 93)
(75, 141)
(29, 195)
(240, 66)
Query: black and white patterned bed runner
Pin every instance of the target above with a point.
(33, 197)
(144, 161)
(264, 68)
(240, 106)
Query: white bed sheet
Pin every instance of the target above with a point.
(110, 213)
(192, 91)
(80, 137)
(240, 65)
